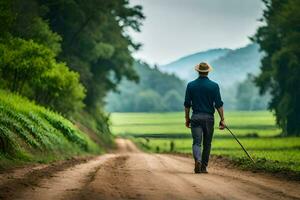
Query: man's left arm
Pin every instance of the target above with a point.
(187, 107)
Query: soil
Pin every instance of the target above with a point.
(129, 173)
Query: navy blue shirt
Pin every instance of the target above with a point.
(203, 95)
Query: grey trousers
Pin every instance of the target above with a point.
(202, 127)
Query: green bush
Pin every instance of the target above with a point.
(30, 69)
(59, 88)
(23, 61)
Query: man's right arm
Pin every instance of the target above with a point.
(222, 120)
(220, 109)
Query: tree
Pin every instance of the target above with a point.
(95, 42)
(23, 61)
(60, 89)
(7, 16)
(280, 69)
(248, 98)
(173, 101)
(148, 101)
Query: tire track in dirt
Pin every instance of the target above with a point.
(66, 182)
(15, 181)
(287, 188)
(131, 174)
(234, 185)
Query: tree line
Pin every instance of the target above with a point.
(158, 91)
(155, 92)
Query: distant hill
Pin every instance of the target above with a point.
(230, 66)
(235, 65)
(155, 92)
(231, 69)
(183, 67)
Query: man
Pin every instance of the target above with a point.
(203, 95)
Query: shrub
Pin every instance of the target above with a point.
(60, 89)
(23, 61)
(30, 69)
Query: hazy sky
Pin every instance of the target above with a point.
(175, 28)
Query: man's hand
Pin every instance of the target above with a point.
(188, 123)
(222, 125)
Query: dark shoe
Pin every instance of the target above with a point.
(197, 167)
(203, 169)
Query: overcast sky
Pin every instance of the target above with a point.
(175, 28)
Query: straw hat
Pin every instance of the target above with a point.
(203, 67)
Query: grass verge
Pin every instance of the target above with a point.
(31, 133)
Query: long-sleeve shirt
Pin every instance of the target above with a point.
(203, 95)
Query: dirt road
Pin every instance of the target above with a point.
(131, 174)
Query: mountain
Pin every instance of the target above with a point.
(230, 70)
(235, 65)
(230, 66)
(182, 67)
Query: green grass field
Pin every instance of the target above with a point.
(257, 132)
(261, 123)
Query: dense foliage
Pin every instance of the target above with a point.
(95, 42)
(67, 54)
(280, 75)
(155, 92)
(30, 69)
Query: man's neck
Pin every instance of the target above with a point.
(202, 76)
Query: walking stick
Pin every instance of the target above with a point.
(240, 144)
